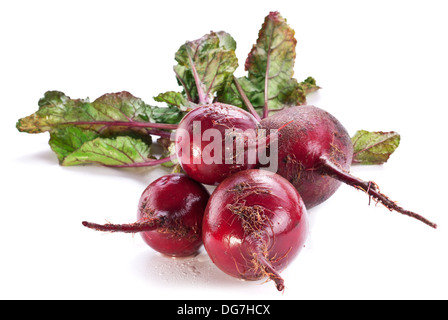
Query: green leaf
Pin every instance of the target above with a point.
(295, 92)
(308, 85)
(270, 63)
(206, 65)
(113, 130)
(170, 114)
(270, 66)
(121, 151)
(176, 99)
(230, 94)
(172, 98)
(56, 109)
(65, 140)
(374, 147)
(178, 106)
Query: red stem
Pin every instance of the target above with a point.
(246, 100)
(266, 79)
(187, 92)
(148, 225)
(329, 168)
(148, 163)
(126, 124)
(203, 98)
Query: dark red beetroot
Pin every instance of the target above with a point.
(170, 213)
(254, 225)
(312, 133)
(194, 151)
(315, 154)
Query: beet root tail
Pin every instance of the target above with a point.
(331, 169)
(126, 228)
(271, 272)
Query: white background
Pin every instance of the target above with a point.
(382, 65)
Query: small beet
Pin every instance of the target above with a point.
(315, 153)
(254, 225)
(170, 213)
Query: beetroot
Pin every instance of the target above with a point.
(315, 154)
(254, 225)
(201, 142)
(170, 213)
(313, 133)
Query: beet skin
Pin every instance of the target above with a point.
(311, 133)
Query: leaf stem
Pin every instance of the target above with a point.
(246, 99)
(125, 124)
(266, 78)
(148, 163)
(266, 87)
(187, 92)
(203, 98)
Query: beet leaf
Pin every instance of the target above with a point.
(206, 65)
(113, 130)
(116, 129)
(121, 151)
(269, 84)
(110, 110)
(374, 147)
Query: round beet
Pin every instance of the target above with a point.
(170, 213)
(311, 133)
(201, 142)
(254, 225)
(315, 153)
